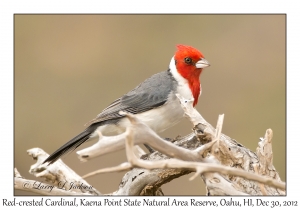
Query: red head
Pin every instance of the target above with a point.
(189, 63)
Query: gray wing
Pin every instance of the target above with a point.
(152, 93)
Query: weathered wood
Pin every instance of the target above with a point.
(226, 167)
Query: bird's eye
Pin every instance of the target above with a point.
(188, 60)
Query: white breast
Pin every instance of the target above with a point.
(158, 119)
(164, 117)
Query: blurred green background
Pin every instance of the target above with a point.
(68, 68)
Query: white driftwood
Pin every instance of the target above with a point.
(34, 186)
(226, 167)
(142, 134)
(59, 176)
(200, 168)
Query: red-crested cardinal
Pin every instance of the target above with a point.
(154, 101)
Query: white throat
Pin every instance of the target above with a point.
(183, 86)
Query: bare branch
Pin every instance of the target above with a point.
(200, 168)
(227, 168)
(34, 186)
(58, 175)
(143, 134)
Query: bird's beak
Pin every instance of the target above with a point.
(202, 64)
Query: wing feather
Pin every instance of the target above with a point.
(152, 93)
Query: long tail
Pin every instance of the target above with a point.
(72, 144)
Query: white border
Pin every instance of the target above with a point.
(9, 8)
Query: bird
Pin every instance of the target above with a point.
(153, 102)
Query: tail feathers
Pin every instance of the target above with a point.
(70, 145)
